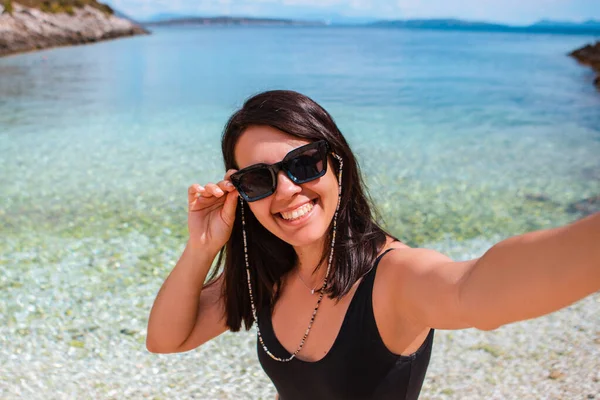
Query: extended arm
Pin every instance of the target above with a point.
(519, 278)
(533, 274)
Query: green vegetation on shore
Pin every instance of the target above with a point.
(8, 6)
(58, 6)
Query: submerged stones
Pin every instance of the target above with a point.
(586, 206)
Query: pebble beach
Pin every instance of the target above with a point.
(77, 331)
(98, 149)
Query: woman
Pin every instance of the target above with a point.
(343, 309)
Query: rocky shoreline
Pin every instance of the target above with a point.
(589, 55)
(26, 29)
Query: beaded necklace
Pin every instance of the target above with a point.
(322, 290)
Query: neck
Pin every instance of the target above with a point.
(308, 259)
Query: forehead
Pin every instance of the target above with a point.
(264, 144)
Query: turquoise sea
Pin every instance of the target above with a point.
(448, 125)
(464, 138)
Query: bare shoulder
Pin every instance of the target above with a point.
(405, 259)
(399, 330)
(403, 264)
(423, 286)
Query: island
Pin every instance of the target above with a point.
(229, 21)
(27, 25)
(544, 26)
(589, 55)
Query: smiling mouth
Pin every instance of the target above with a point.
(298, 213)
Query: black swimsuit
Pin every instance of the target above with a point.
(358, 366)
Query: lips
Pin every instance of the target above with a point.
(297, 213)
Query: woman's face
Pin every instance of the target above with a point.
(314, 202)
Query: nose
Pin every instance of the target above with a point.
(286, 188)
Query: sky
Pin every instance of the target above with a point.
(517, 12)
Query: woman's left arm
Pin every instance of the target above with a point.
(519, 278)
(533, 274)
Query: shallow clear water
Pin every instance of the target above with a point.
(443, 122)
(464, 138)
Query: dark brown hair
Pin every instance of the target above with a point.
(358, 240)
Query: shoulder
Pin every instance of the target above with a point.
(403, 269)
(402, 264)
(423, 286)
(403, 259)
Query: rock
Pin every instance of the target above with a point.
(589, 55)
(556, 374)
(538, 197)
(586, 206)
(27, 29)
(128, 332)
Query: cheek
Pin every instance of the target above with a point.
(260, 209)
(329, 188)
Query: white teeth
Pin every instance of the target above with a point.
(298, 212)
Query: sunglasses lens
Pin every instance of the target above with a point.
(307, 165)
(256, 183)
(302, 165)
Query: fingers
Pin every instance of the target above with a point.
(226, 184)
(214, 190)
(228, 211)
(229, 173)
(194, 191)
(209, 190)
(206, 191)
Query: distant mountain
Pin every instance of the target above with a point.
(567, 24)
(335, 18)
(193, 20)
(120, 14)
(165, 16)
(544, 26)
(438, 24)
(313, 17)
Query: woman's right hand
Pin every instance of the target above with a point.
(211, 213)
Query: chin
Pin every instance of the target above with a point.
(305, 237)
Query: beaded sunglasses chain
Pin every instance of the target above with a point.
(322, 290)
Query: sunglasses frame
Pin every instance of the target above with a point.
(278, 166)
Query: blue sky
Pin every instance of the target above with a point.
(507, 11)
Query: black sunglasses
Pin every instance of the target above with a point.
(304, 164)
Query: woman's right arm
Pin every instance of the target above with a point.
(186, 313)
(184, 316)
